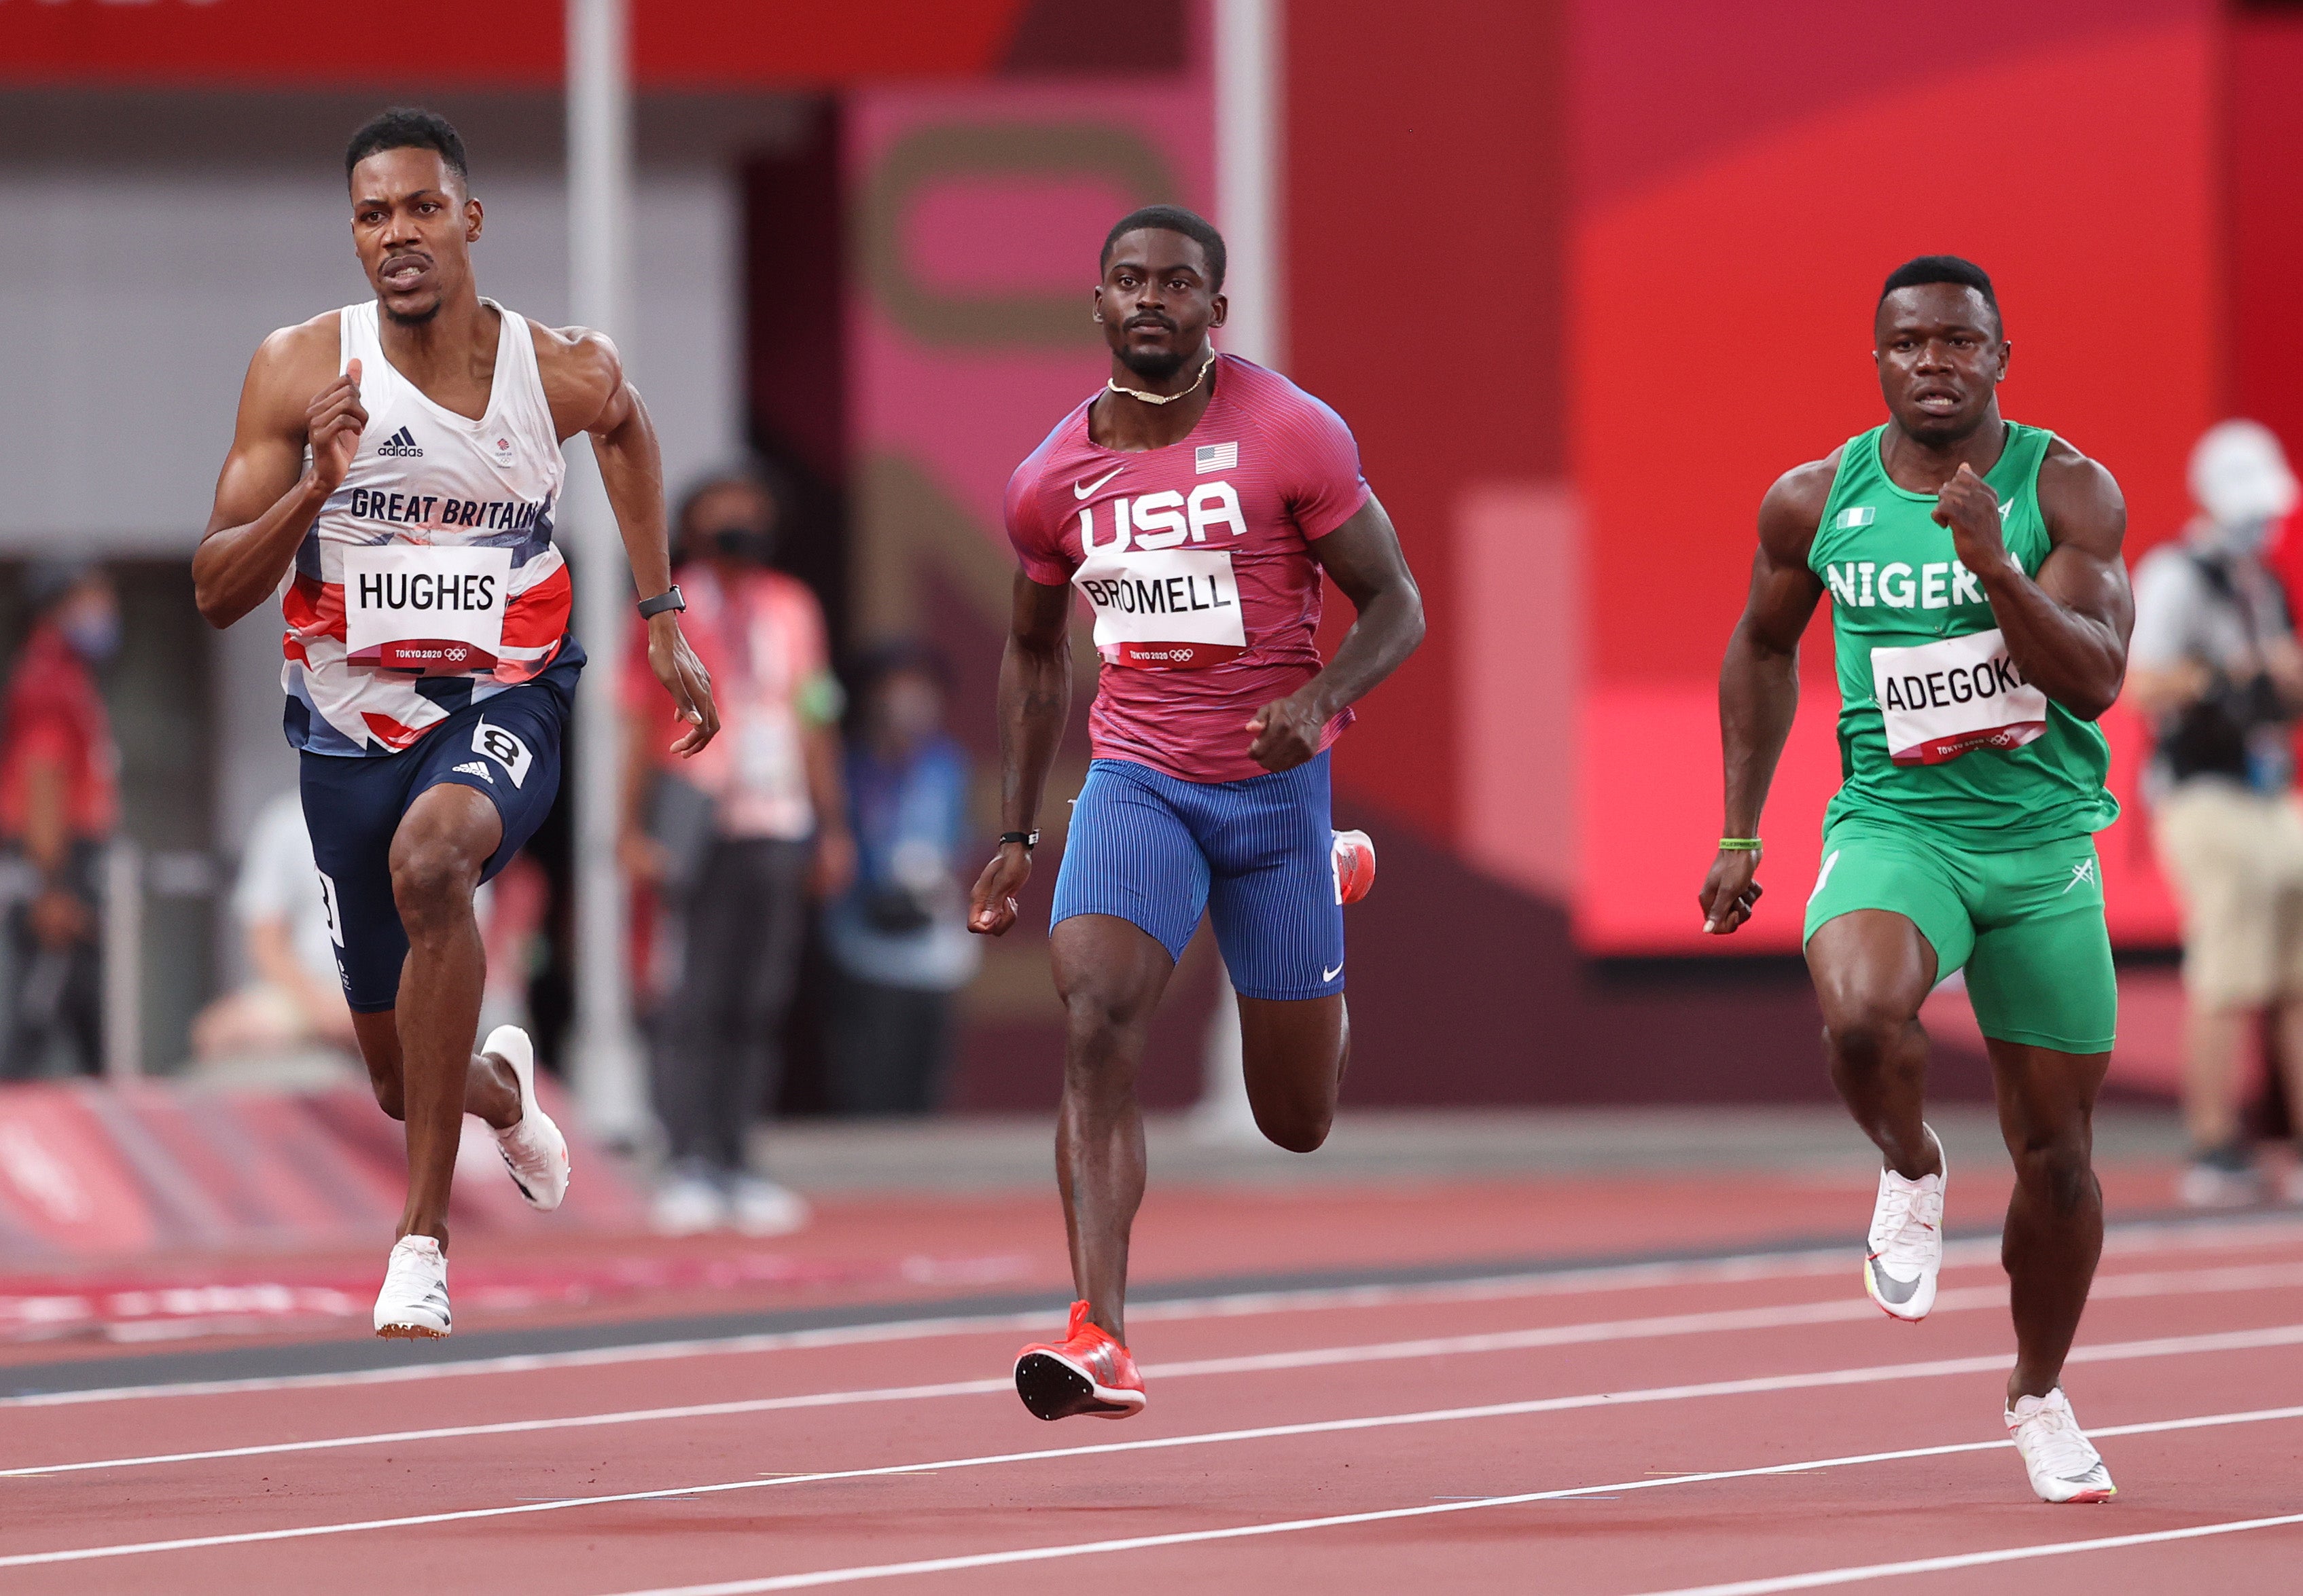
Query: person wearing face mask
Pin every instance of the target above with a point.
(734, 841)
(898, 937)
(2215, 665)
(59, 804)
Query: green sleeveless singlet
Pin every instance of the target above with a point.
(1937, 729)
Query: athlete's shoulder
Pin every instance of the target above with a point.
(1792, 509)
(1024, 483)
(309, 347)
(1274, 398)
(582, 372)
(2079, 497)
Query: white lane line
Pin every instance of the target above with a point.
(1967, 1560)
(2284, 1335)
(2141, 1285)
(2123, 1241)
(1038, 1554)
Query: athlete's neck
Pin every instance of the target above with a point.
(1922, 465)
(447, 353)
(1118, 421)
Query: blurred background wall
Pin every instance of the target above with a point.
(1596, 274)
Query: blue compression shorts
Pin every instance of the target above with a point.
(506, 746)
(1257, 855)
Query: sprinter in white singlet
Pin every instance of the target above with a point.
(393, 477)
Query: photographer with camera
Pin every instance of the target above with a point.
(2215, 664)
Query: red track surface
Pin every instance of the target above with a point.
(2187, 1325)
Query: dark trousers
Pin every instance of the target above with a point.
(55, 1003)
(888, 1048)
(719, 1041)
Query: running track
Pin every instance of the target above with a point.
(1745, 1424)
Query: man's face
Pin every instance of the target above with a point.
(1941, 357)
(413, 225)
(1156, 302)
(734, 522)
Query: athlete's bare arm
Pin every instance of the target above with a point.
(1758, 680)
(1364, 558)
(266, 497)
(2067, 630)
(584, 383)
(1035, 700)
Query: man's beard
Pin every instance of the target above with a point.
(414, 319)
(1154, 365)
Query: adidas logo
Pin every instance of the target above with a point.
(476, 768)
(402, 442)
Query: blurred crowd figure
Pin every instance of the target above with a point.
(899, 936)
(734, 841)
(59, 806)
(293, 1001)
(2215, 664)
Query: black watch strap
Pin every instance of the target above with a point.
(669, 599)
(1030, 839)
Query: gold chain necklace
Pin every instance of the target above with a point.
(1162, 398)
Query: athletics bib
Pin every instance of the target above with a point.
(1942, 699)
(1164, 609)
(415, 606)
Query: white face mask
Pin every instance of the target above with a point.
(2241, 478)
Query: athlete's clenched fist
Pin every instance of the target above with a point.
(1729, 893)
(334, 422)
(992, 906)
(1968, 506)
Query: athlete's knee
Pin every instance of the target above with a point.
(1297, 1128)
(1865, 1031)
(384, 1082)
(432, 880)
(2057, 1162)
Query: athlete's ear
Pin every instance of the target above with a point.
(1097, 301)
(1218, 307)
(2006, 353)
(472, 219)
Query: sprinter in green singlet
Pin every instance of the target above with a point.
(1980, 611)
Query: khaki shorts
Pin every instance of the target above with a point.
(2235, 859)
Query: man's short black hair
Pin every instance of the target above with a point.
(1172, 218)
(1924, 269)
(409, 127)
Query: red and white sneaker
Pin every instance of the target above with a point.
(1354, 859)
(1088, 1372)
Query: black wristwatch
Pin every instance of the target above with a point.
(1030, 839)
(669, 599)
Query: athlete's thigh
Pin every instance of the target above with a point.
(507, 749)
(2041, 973)
(1886, 921)
(1270, 843)
(1129, 855)
(352, 807)
(2044, 1095)
(1295, 1052)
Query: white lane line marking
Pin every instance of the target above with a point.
(2284, 1335)
(1967, 1560)
(1036, 1554)
(2151, 1284)
(2127, 1240)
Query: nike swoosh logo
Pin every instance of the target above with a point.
(1329, 975)
(1082, 490)
(1891, 1289)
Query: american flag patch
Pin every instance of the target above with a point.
(1216, 457)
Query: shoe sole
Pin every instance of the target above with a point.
(2086, 1499)
(410, 1332)
(1053, 1388)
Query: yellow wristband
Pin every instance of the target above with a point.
(1739, 845)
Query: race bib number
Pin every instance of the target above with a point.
(1942, 699)
(1164, 609)
(416, 608)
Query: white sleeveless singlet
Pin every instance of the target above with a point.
(428, 581)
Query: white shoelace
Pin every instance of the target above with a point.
(1912, 1222)
(2052, 1437)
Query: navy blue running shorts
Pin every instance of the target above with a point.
(507, 746)
(1258, 855)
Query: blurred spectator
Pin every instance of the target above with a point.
(734, 839)
(59, 804)
(294, 1000)
(2215, 663)
(898, 937)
